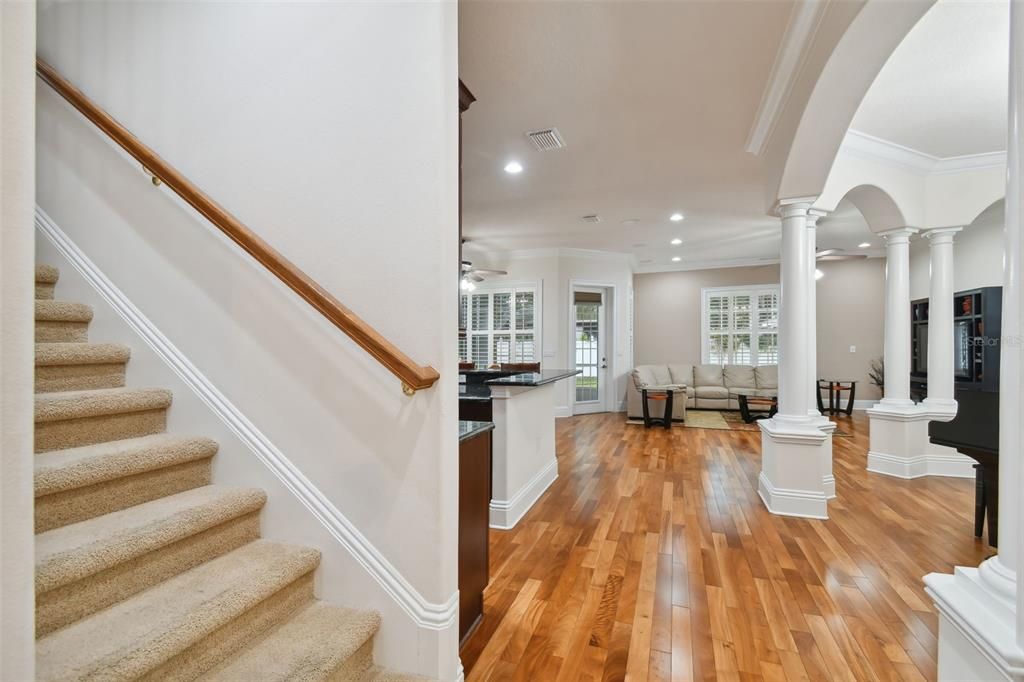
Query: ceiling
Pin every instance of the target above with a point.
(944, 90)
(654, 101)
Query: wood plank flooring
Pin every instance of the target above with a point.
(652, 558)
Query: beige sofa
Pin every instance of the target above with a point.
(707, 386)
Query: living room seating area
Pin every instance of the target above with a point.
(707, 387)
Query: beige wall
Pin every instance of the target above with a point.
(977, 255)
(17, 115)
(850, 313)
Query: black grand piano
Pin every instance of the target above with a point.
(975, 429)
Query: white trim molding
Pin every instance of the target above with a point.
(505, 514)
(874, 148)
(803, 24)
(900, 446)
(423, 613)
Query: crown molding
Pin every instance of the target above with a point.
(873, 148)
(789, 59)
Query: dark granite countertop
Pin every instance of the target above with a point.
(474, 392)
(468, 430)
(545, 376)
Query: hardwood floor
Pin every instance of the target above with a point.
(653, 558)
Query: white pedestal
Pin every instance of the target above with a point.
(977, 612)
(899, 445)
(793, 456)
(524, 463)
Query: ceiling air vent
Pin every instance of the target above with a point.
(546, 140)
(594, 218)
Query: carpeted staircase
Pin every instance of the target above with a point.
(145, 569)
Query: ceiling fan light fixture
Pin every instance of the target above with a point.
(466, 285)
(818, 274)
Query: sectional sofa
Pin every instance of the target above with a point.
(707, 386)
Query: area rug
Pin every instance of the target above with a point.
(720, 420)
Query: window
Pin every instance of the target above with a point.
(501, 326)
(741, 326)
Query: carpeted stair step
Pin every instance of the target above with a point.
(188, 624)
(79, 366)
(378, 674)
(81, 483)
(320, 642)
(61, 321)
(88, 566)
(73, 418)
(46, 280)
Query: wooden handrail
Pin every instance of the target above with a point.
(414, 376)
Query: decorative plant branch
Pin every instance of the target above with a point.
(876, 373)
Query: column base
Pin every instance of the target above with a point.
(977, 616)
(899, 444)
(828, 481)
(788, 485)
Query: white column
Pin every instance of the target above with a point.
(898, 426)
(794, 309)
(940, 400)
(812, 315)
(793, 445)
(981, 623)
(824, 423)
(897, 317)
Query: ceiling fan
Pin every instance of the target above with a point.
(837, 254)
(832, 255)
(472, 275)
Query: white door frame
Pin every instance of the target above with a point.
(611, 324)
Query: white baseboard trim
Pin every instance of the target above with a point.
(863, 404)
(562, 411)
(505, 514)
(918, 466)
(786, 502)
(423, 613)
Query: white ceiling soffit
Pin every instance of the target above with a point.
(867, 146)
(803, 24)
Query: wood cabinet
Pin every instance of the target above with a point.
(474, 527)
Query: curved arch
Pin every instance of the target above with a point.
(880, 210)
(859, 55)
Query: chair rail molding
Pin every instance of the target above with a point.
(422, 612)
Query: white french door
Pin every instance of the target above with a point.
(590, 350)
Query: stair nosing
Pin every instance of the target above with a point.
(65, 353)
(49, 310)
(65, 405)
(173, 624)
(74, 552)
(347, 620)
(126, 454)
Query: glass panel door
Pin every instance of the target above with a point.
(587, 351)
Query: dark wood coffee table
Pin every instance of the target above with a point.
(755, 403)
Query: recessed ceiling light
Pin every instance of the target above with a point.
(818, 274)
(513, 167)
(676, 242)
(676, 217)
(864, 245)
(676, 259)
